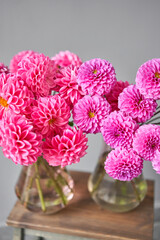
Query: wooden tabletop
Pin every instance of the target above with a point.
(82, 217)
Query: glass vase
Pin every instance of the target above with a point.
(115, 195)
(43, 188)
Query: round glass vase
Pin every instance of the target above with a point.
(43, 188)
(115, 195)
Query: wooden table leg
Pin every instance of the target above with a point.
(18, 234)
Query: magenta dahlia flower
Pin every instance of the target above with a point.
(89, 113)
(65, 59)
(133, 103)
(14, 95)
(112, 97)
(3, 69)
(50, 113)
(123, 164)
(156, 162)
(19, 141)
(147, 141)
(148, 79)
(66, 149)
(38, 71)
(17, 59)
(96, 76)
(118, 130)
(69, 89)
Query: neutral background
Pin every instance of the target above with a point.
(125, 32)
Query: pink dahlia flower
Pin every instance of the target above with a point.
(118, 130)
(156, 162)
(3, 69)
(147, 141)
(133, 103)
(17, 59)
(96, 76)
(123, 164)
(89, 113)
(66, 149)
(38, 71)
(148, 79)
(65, 59)
(68, 87)
(19, 142)
(112, 97)
(50, 113)
(14, 95)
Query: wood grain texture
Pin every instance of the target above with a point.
(82, 217)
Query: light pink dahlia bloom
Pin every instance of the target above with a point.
(123, 164)
(156, 162)
(65, 59)
(38, 71)
(50, 113)
(14, 95)
(112, 97)
(3, 69)
(133, 103)
(89, 113)
(66, 149)
(147, 141)
(148, 79)
(96, 76)
(118, 130)
(68, 87)
(19, 141)
(17, 58)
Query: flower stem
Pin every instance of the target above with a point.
(28, 188)
(100, 170)
(63, 180)
(39, 188)
(96, 185)
(158, 107)
(152, 120)
(56, 185)
(156, 113)
(135, 190)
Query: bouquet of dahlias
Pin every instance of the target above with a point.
(39, 97)
(123, 113)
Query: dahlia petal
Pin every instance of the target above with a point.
(96, 76)
(123, 164)
(21, 145)
(89, 113)
(62, 150)
(147, 141)
(51, 114)
(118, 130)
(148, 79)
(133, 103)
(65, 59)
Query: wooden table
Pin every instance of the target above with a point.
(82, 219)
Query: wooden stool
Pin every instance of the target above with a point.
(82, 219)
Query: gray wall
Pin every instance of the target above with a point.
(125, 32)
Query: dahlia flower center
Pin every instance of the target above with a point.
(157, 75)
(94, 71)
(116, 134)
(3, 102)
(91, 114)
(152, 143)
(139, 101)
(51, 121)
